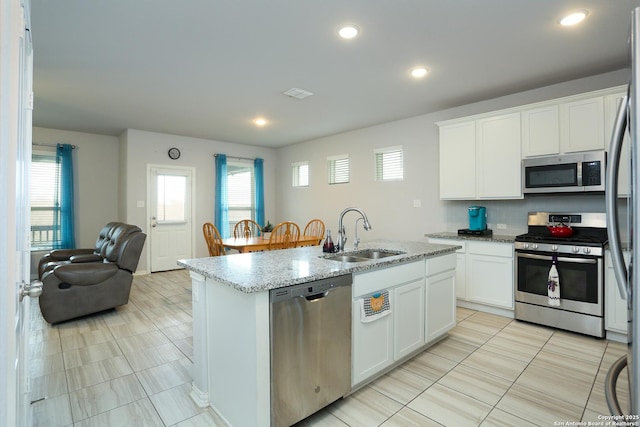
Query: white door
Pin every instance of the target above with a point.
(15, 145)
(170, 222)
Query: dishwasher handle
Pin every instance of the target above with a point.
(316, 297)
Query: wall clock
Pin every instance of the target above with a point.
(174, 153)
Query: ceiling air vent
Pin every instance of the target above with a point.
(298, 93)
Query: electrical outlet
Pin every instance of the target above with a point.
(501, 226)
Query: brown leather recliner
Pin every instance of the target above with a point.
(72, 289)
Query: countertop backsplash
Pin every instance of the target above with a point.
(513, 213)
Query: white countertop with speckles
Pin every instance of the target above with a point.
(261, 271)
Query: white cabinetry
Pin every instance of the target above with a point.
(484, 274)
(498, 156)
(373, 342)
(441, 297)
(475, 155)
(582, 125)
(541, 131)
(461, 265)
(458, 161)
(490, 273)
(408, 328)
(416, 291)
(615, 308)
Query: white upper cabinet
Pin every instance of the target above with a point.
(541, 131)
(481, 156)
(498, 157)
(582, 125)
(458, 161)
(476, 155)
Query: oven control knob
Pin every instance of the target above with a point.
(534, 246)
(554, 248)
(526, 246)
(576, 249)
(586, 250)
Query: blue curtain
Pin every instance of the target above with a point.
(64, 216)
(259, 171)
(221, 205)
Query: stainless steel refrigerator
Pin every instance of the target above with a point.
(623, 217)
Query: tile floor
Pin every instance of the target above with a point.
(132, 367)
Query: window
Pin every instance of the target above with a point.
(171, 198)
(241, 192)
(389, 163)
(44, 201)
(300, 174)
(338, 169)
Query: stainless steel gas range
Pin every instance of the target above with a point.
(579, 261)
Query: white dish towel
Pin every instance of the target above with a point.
(553, 285)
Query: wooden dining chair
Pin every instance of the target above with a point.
(315, 227)
(284, 235)
(246, 228)
(213, 239)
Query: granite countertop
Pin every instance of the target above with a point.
(261, 271)
(499, 238)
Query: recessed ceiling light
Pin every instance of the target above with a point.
(419, 72)
(574, 18)
(348, 31)
(260, 121)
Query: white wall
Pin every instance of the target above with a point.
(389, 206)
(140, 148)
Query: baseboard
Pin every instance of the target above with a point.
(486, 308)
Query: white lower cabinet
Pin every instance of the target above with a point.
(382, 341)
(484, 272)
(615, 308)
(441, 304)
(408, 328)
(372, 345)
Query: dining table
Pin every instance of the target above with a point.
(259, 243)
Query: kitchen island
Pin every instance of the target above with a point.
(231, 316)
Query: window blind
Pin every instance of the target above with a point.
(240, 192)
(300, 174)
(389, 163)
(338, 168)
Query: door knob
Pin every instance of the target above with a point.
(33, 290)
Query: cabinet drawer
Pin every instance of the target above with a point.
(491, 249)
(385, 278)
(441, 263)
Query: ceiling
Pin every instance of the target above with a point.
(208, 68)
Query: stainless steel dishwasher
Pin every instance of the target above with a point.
(310, 347)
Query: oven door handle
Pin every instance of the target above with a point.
(611, 199)
(563, 259)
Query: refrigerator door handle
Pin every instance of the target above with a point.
(611, 196)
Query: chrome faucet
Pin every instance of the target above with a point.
(342, 235)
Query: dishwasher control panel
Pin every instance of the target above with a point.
(309, 289)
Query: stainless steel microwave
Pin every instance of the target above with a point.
(564, 173)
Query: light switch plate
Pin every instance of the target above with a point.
(140, 203)
(417, 203)
(501, 226)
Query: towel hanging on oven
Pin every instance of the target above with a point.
(553, 284)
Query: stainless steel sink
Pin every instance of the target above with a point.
(362, 255)
(377, 253)
(347, 258)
